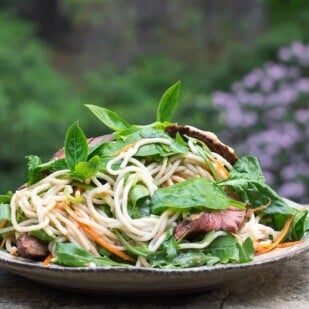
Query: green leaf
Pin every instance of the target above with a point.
(246, 251)
(42, 235)
(6, 198)
(195, 192)
(168, 103)
(75, 146)
(5, 212)
(84, 170)
(69, 254)
(111, 119)
(225, 248)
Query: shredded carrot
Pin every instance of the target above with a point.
(220, 167)
(3, 223)
(290, 243)
(96, 237)
(47, 260)
(125, 148)
(260, 249)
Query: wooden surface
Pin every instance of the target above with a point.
(283, 286)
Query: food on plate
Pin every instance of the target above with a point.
(159, 195)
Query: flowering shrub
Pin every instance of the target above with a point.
(267, 115)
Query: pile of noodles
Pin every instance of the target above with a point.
(57, 206)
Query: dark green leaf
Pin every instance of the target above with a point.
(246, 251)
(196, 192)
(75, 146)
(168, 103)
(111, 119)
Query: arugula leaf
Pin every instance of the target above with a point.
(195, 192)
(111, 119)
(69, 254)
(87, 169)
(168, 103)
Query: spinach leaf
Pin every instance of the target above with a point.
(246, 251)
(69, 254)
(111, 119)
(225, 248)
(168, 103)
(140, 200)
(87, 169)
(247, 181)
(75, 146)
(195, 192)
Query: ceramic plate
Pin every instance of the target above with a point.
(146, 280)
(132, 280)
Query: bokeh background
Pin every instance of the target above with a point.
(244, 66)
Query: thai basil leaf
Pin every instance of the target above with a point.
(69, 254)
(168, 103)
(42, 235)
(75, 146)
(225, 248)
(5, 212)
(195, 192)
(111, 119)
(87, 169)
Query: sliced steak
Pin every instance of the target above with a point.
(30, 247)
(228, 220)
(209, 138)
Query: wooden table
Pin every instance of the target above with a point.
(283, 286)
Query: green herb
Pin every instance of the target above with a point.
(140, 200)
(111, 119)
(6, 198)
(87, 169)
(75, 146)
(69, 254)
(195, 192)
(42, 235)
(5, 212)
(168, 103)
(246, 250)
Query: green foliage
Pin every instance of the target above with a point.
(35, 103)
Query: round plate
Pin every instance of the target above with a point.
(147, 280)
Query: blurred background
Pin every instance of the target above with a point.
(244, 67)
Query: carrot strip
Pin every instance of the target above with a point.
(220, 167)
(290, 243)
(47, 260)
(260, 249)
(96, 237)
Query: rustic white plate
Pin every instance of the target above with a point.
(146, 280)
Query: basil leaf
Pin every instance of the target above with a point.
(42, 235)
(75, 146)
(168, 103)
(195, 192)
(111, 119)
(87, 169)
(6, 198)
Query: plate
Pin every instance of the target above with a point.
(134, 280)
(147, 280)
